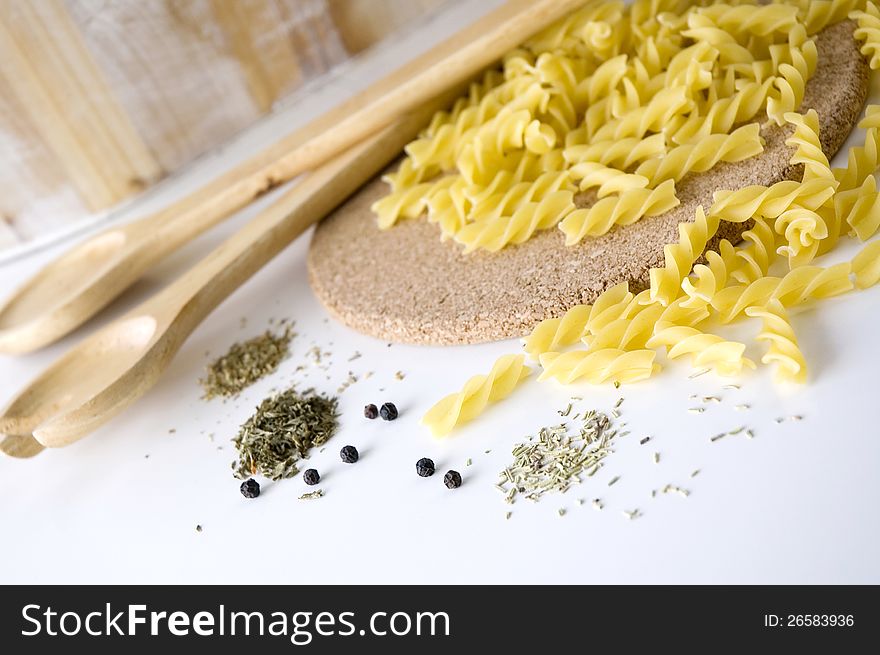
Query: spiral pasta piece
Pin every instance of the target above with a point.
(609, 365)
(860, 209)
(681, 313)
(462, 406)
(869, 32)
(627, 333)
(553, 333)
(612, 304)
(659, 111)
(606, 180)
(680, 257)
(803, 230)
(783, 347)
(624, 209)
(761, 20)
(724, 113)
(407, 175)
(620, 154)
(770, 202)
(862, 160)
(754, 261)
(866, 265)
(797, 287)
(699, 157)
(518, 195)
(492, 234)
(448, 206)
(808, 148)
(709, 278)
(407, 202)
(791, 82)
(707, 350)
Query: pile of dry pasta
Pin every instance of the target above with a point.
(626, 101)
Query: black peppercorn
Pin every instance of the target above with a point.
(425, 467)
(388, 412)
(452, 479)
(349, 454)
(311, 476)
(370, 411)
(250, 488)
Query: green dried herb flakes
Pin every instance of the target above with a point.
(246, 362)
(558, 458)
(281, 432)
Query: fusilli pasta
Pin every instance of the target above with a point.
(476, 394)
(783, 346)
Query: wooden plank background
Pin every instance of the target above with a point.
(99, 99)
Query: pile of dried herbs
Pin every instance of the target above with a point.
(281, 432)
(557, 458)
(245, 363)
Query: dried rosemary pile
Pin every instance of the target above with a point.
(558, 458)
(281, 432)
(245, 363)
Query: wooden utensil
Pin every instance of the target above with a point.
(81, 282)
(119, 363)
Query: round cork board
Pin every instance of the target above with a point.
(405, 285)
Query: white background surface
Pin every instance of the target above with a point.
(796, 504)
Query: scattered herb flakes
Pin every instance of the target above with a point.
(750, 434)
(245, 363)
(468, 462)
(198, 528)
(656, 458)
(778, 419)
(632, 514)
(742, 407)
(711, 399)
(312, 495)
(281, 432)
(644, 440)
(697, 374)
(796, 417)
(580, 501)
(696, 410)
(507, 515)
(557, 458)
(734, 387)
(356, 355)
(671, 488)
(172, 431)
(597, 504)
(561, 511)
(613, 480)
(399, 375)
(695, 473)
(349, 380)
(717, 437)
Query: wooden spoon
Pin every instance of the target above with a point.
(118, 364)
(83, 281)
